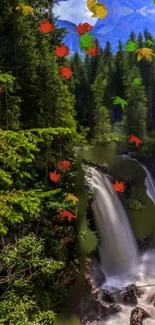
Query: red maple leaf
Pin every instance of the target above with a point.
(65, 72)
(133, 138)
(65, 164)
(46, 26)
(84, 28)
(61, 50)
(92, 51)
(1, 89)
(119, 187)
(55, 177)
(64, 213)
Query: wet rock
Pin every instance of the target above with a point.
(131, 294)
(102, 167)
(137, 316)
(130, 297)
(96, 304)
(146, 243)
(93, 269)
(107, 296)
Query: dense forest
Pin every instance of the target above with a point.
(102, 77)
(38, 249)
(42, 118)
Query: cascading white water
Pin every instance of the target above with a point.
(117, 245)
(150, 184)
(149, 180)
(118, 249)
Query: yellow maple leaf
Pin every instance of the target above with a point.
(97, 8)
(70, 197)
(26, 10)
(145, 52)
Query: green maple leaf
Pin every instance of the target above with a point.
(149, 42)
(137, 81)
(118, 100)
(86, 41)
(131, 46)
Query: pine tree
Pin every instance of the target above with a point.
(136, 110)
(121, 73)
(101, 126)
(28, 54)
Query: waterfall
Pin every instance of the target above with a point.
(149, 181)
(150, 184)
(117, 245)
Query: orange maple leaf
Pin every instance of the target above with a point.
(65, 164)
(46, 26)
(55, 177)
(64, 213)
(84, 28)
(119, 186)
(61, 50)
(92, 51)
(65, 72)
(133, 138)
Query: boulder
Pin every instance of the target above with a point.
(137, 316)
(131, 294)
(96, 304)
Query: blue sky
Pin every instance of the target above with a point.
(123, 16)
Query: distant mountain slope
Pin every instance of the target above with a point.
(123, 16)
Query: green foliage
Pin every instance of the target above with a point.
(102, 133)
(37, 131)
(136, 111)
(27, 255)
(134, 205)
(16, 310)
(10, 102)
(45, 318)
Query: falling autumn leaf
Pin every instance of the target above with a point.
(26, 10)
(145, 52)
(149, 42)
(97, 8)
(71, 197)
(64, 213)
(55, 177)
(86, 41)
(131, 46)
(133, 138)
(64, 164)
(84, 28)
(119, 186)
(119, 100)
(65, 72)
(137, 81)
(46, 26)
(61, 50)
(92, 51)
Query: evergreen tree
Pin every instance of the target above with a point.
(121, 73)
(136, 110)
(28, 54)
(101, 126)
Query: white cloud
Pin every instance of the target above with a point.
(74, 11)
